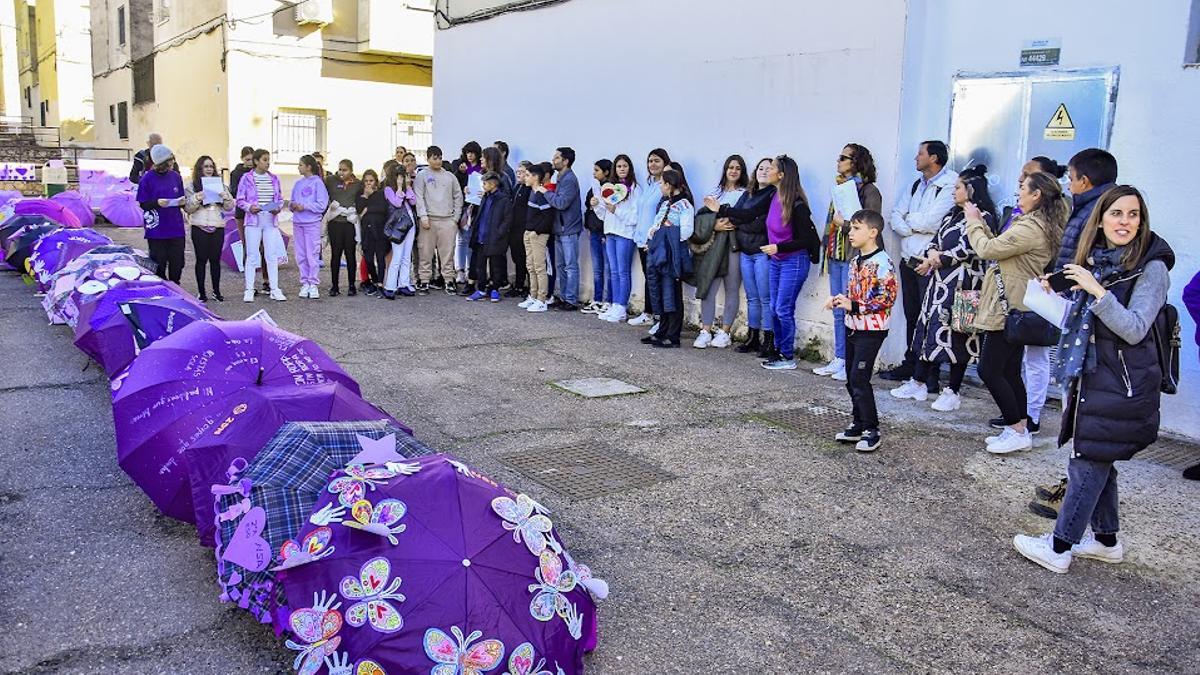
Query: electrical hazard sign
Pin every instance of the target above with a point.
(1060, 127)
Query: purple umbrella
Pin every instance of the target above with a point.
(176, 388)
(437, 566)
(121, 209)
(7, 196)
(88, 277)
(20, 245)
(251, 423)
(55, 250)
(232, 237)
(77, 204)
(132, 315)
(53, 210)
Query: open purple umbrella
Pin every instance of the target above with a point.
(20, 245)
(7, 196)
(250, 424)
(176, 388)
(78, 205)
(53, 210)
(132, 315)
(87, 277)
(232, 237)
(121, 209)
(55, 250)
(437, 566)
(266, 502)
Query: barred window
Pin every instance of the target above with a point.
(298, 132)
(414, 132)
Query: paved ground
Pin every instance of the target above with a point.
(772, 550)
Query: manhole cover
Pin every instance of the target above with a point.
(598, 387)
(1172, 453)
(585, 471)
(815, 418)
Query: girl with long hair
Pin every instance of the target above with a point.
(656, 162)
(673, 225)
(372, 209)
(620, 227)
(400, 231)
(715, 258)
(208, 225)
(260, 197)
(593, 222)
(749, 219)
(309, 201)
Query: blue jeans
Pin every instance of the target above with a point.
(619, 256)
(756, 282)
(786, 279)
(566, 267)
(1091, 499)
(462, 252)
(839, 283)
(601, 276)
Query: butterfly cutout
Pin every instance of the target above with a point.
(247, 548)
(549, 600)
(339, 664)
(520, 662)
(372, 591)
(313, 547)
(351, 487)
(380, 518)
(317, 628)
(456, 656)
(519, 518)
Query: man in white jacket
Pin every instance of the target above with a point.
(915, 218)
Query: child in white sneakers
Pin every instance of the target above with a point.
(539, 223)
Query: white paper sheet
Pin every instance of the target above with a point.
(1050, 306)
(845, 199)
(474, 188)
(213, 187)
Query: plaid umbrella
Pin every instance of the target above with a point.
(267, 501)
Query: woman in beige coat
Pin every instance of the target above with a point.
(1022, 252)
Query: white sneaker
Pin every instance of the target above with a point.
(703, 340)
(721, 340)
(615, 314)
(840, 373)
(248, 296)
(947, 402)
(830, 368)
(524, 304)
(653, 329)
(277, 295)
(537, 306)
(313, 292)
(1088, 547)
(1041, 551)
(641, 320)
(911, 389)
(604, 307)
(1010, 441)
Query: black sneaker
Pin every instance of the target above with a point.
(371, 291)
(565, 306)
(852, 434)
(266, 287)
(897, 374)
(334, 292)
(666, 344)
(467, 289)
(352, 291)
(997, 423)
(218, 297)
(870, 442)
(1033, 427)
(516, 293)
(422, 289)
(451, 288)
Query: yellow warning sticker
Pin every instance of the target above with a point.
(1060, 127)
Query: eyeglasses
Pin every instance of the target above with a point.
(845, 158)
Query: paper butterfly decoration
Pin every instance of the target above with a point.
(456, 656)
(314, 546)
(317, 628)
(614, 193)
(339, 664)
(520, 662)
(373, 591)
(351, 487)
(247, 548)
(378, 519)
(549, 600)
(520, 519)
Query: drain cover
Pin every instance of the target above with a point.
(814, 417)
(598, 387)
(1171, 453)
(585, 471)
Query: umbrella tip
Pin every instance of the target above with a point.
(261, 372)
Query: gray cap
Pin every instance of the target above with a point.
(160, 153)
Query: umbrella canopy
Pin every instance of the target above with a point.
(232, 237)
(267, 501)
(87, 277)
(248, 425)
(78, 205)
(53, 251)
(132, 315)
(174, 389)
(7, 196)
(20, 245)
(121, 209)
(433, 563)
(56, 211)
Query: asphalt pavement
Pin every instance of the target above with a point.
(755, 544)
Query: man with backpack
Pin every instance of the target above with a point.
(915, 219)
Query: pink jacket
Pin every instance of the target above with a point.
(247, 193)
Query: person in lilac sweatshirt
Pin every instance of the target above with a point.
(308, 204)
(1191, 300)
(260, 197)
(161, 196)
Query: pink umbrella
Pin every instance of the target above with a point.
(121, 209)
(77, 204)
(49, 208)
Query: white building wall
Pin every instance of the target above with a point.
(1155, 136)
(702, 80)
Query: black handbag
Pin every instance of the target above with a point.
(1026, 328)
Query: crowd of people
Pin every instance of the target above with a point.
(960, 274)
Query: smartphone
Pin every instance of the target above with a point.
(913, 261)
(1059, 282)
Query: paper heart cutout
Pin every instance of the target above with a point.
(614, 193)
(92, 287)
(247, 548)
(127, 273)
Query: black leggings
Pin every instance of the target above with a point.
(207, 246)
(516, 247)
(488, 271)
(930, 374)
(647, 307)
(862, 346)
(167, 255)
(1000, 369)
(341, 242)
(375, 251)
